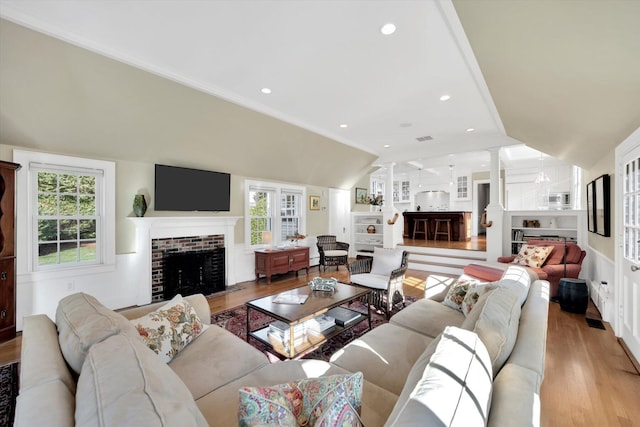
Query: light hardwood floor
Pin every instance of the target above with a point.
(589, 380)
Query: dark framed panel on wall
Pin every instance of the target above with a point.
(591, 219)
(602, 208)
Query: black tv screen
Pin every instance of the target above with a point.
(184, 189)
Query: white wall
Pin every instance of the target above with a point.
(600, 269)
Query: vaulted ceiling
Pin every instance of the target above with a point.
(180, 81)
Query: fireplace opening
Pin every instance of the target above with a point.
(193, 272)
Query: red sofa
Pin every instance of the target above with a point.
(553, 267)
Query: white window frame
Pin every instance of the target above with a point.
(27, 208)
(278, 190)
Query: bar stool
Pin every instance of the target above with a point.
(444, 233)
(416, 229)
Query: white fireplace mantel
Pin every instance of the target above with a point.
(149, 228)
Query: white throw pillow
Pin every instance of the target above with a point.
(386, 260)
(171, 328)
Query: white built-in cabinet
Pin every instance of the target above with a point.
(521, 226)
(366, 229)
(401, 191)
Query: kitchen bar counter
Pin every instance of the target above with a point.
(460, 224)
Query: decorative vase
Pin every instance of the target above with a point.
(139, 205)
(371, 229)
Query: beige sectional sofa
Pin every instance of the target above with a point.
(90, 368)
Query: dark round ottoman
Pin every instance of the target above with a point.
(573, 295)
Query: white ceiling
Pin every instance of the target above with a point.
(563, 75)
(326, 63)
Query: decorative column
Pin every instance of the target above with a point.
(495, 209)
(392, 233)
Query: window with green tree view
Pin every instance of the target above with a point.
(67, 217)
(276, 208)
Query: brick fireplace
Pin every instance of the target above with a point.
(187, 265)
(171, 235)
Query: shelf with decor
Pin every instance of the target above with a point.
(523, 226)
(366, 233)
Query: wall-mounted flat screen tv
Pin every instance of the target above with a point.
(184, 189)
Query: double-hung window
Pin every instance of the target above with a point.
(67, 217)
(274, 212)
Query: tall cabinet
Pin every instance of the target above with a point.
(7, 251)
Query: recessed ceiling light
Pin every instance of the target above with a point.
(265, 90)
(406, 125)
(344, 125)
(386, 146)
(445, 97)
(470, 129)
(388, 29)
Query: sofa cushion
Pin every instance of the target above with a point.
(169, 329)
(415, 375)
(220, 407)
(516, 397)
(82, 321)
(497, 325)
(212, 361)
(427, 317)
(532, 256)
(518, 279)
(455, 388)
(472, 317)
(333, 400)
(456, 293)
(370, 280)
(48, 404)
(374, 352)
(122, 382)
(336, 252)
(385, 261)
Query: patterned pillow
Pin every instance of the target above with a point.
(169, 329)
(473, 295)
(533, 256)
(457, 291)
(334, 400)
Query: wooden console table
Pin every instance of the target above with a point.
(280, 261)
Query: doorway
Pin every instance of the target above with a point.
(481, 200)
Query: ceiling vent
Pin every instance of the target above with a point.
(424, 138)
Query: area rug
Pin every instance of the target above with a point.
(8, 393)
(235, 321)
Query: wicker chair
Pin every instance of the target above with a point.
(386, 290)
(332, 252)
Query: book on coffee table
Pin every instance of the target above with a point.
(343, 316)
(285, 298)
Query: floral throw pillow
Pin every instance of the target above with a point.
(334, 400)
(457, 292)
(532, 256)
(473, 295)
(171, 328)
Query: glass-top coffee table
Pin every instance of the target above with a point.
(297, 331)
